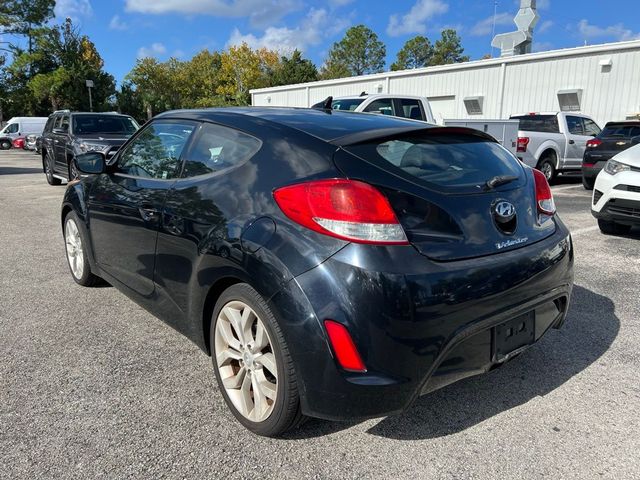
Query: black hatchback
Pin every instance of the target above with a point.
(335, 265)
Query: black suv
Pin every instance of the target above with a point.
(68, 134)
(616, 137)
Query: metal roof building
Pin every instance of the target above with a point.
(601, 80)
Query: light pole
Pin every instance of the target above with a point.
(89, 84)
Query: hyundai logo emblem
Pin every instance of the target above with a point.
(504, 211)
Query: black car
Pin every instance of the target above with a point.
(616, 137)
(334, 265)
(67, 134)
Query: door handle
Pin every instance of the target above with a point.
(572, 142)
(149, 214)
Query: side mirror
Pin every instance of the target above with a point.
(92, 163)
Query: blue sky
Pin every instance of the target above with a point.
(124, 30)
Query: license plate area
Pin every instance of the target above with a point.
(513, 336)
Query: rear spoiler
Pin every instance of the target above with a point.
(392, 133)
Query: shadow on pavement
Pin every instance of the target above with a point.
(19, 170)
(591, 328)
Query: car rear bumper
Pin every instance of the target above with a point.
(418, 325)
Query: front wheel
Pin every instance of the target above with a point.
(5, 144)
(77, 259)
(74, 173)
(612, 228)
(252, 363)
(588, 183)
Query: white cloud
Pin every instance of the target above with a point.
(545, 26)
(260, 12)
(340, 3)
(616, 32)
(415, 20)
(543, 4)
(155, 50)
(73, 9)
(315, 27)
(117, 24)
(485, 27)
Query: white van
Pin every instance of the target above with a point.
(20, 127)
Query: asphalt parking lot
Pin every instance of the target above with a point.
(92, 386)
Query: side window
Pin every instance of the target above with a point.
(64, 123)
(383, 106)
(49, 125)
(13, 128)
(410, 108)
(574, 124)
(635, 132)
(57, 121)
(217, 148)
(591, 127)
(155, 153)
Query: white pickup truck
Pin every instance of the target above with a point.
(554, 142)
(418, 108)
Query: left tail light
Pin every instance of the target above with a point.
(544, 197)
(341, 208)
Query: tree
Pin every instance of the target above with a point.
(20, 17)
(415, 53)
(242, 69)
(294, 69)
(448, 49)
(359, 52)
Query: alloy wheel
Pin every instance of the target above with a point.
(75, 253)
(245, 361)
(547, 169)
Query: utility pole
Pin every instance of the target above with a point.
(90, 85)
(493, 30)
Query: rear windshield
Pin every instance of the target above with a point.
(539, 123)
(107, 124)
(346, 104)
(444, 160)
(625, 131)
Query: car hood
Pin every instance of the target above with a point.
(631, 156)
(105, 139)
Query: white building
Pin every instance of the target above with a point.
(602, 81)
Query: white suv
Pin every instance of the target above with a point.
(616, 194)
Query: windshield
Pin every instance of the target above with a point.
(445, 160)
(349, 104)
(105, 124)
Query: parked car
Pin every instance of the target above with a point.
(19, 142)
(374, 258)
(30, 142)
(38, 149)
(405, 106)
(616, 194)
(68, 134)
(615, 138)
(554, 143)
(20, 127)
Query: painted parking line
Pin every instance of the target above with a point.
(580, 231)
(567, 187)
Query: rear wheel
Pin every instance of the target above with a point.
(588, 183)
(612, 228)
(74, 240)
(547, 166)
(252, 363)
(48, 171)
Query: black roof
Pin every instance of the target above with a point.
(624, 122)
(333, 126)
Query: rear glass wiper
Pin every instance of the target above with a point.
(500, 180)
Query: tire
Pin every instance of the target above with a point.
(588, 183)
(240, 371)
(75, 241)
(74, 174)
(47, 166)
(5, 144)
(612, 228)
(547, 165)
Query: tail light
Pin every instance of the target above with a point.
(345, 209)
(523, 143)
(594, 143)
(544, 197)
(344, 348)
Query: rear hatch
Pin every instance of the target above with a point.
(436, 182)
